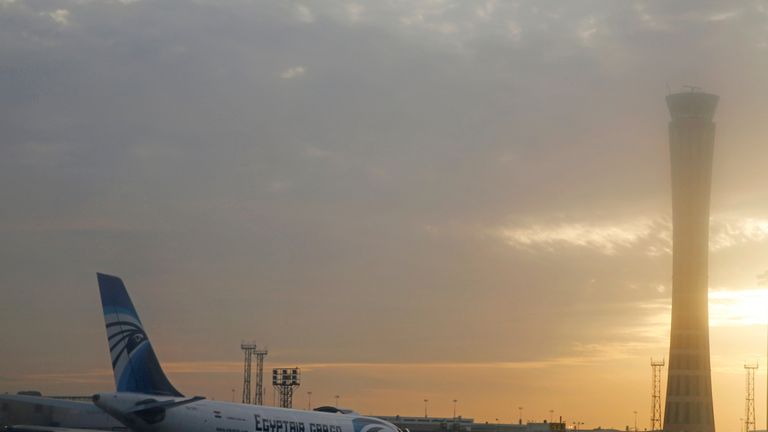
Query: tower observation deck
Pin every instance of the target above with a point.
(691, 144)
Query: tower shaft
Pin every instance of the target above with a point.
(691, 144)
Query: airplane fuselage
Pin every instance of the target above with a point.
(215, 416)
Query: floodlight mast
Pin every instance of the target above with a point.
(749, 409)
(251, 350)
(285, 381)
(656, 372)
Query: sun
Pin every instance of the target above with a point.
(738, 308)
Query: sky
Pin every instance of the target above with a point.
(409, 200)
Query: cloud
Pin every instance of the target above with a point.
(293, 72)
(728, 232)
(304, 13)
(583, 354)
(486, 9)
(727, 308)
(587, 30)
(653, 324)
(724, 16)
(652, 236)
(606, 238)
(738, 308)
(60, 16)
(762, 278)
(514, 30)
(354, 11)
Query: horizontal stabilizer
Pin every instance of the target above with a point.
(163, 404)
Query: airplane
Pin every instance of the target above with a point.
(146, 401)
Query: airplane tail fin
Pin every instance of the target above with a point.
(134, 362)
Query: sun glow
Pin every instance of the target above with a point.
(737, 308)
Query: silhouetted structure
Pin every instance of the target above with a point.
(691, 145)
(656, 371)
(259, 393)
(285, 381)
(250, 350)
(749, 408)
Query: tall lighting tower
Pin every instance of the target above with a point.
(259, 394)
(656, 371)
(691, 145)
(248, 350)
(749, 408)
(285, 381)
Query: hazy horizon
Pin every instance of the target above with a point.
(409, 200)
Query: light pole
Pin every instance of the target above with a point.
(309, 401)
(233, 395)
(551, 413)
(337, 400)
(425, 407)
(635, 420)
(454, 409)
(520, 418)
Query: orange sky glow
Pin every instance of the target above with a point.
(431, 199)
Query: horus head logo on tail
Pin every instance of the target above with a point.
(124, 338)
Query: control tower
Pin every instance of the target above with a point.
(691, 144)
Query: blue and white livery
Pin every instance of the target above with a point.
(146, 401)
(134, 362)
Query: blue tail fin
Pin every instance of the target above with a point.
(133, 359)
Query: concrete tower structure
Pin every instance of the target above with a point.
(691, 144)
